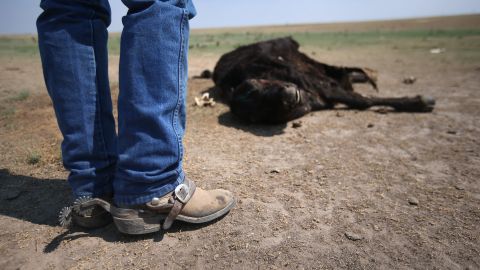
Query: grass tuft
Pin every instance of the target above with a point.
(6, 112)
(23, 95)
(33, 158)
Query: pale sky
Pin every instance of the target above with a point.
(18, 16)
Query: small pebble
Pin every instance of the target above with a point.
(459, 187)
(409, 80)
(275, 171)
(452, 132)
(353, 236)
(413, 201)
(297, 124)
(370, 125)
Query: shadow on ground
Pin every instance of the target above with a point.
(268, 130)
(39, 201)
(32, 199)
(110, 234)
(229, 120)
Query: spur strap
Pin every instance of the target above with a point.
(182, 194)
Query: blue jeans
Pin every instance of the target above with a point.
(145, 159)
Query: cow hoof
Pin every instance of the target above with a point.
(428, 102)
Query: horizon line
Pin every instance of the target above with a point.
(238, 27)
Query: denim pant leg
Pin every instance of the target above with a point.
(151, 104)
(72, 37)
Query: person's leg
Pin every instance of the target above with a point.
(72, 37)
(151, 104)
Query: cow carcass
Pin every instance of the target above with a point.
(273, 82)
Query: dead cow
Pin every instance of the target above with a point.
(272, 82)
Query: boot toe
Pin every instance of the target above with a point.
(206, 203)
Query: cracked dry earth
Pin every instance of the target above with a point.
(344, 189)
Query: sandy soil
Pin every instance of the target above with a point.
(347, 189)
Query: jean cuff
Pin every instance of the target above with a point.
(129, 200)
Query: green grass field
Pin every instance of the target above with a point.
(227, 41)
(468, 39)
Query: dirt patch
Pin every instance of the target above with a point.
(335, 192)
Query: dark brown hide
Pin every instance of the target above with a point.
(272, 82)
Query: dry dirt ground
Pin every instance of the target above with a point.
(347, 189)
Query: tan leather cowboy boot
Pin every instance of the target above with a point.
(187, 203)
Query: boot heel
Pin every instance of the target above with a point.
(138, 225)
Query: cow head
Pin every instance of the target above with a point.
(269, 101)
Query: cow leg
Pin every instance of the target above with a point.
(362, 75)
(403, 104)
(407, 104)
(346, 76)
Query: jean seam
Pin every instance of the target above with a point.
(98, 107)
(175, 119)
(98, 96)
